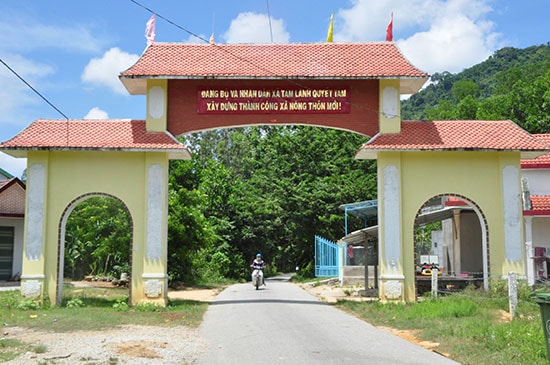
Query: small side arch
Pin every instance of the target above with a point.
(451, 206)
(62, 229)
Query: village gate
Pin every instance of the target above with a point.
(189, 88)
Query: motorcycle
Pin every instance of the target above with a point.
(257, 278)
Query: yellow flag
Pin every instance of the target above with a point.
(329, 35)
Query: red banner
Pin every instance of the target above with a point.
(273, 100)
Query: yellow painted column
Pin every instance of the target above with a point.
(33, 276)
(389, 115)
(154, 275)
(157, 105)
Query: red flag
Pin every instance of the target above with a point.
(150, 30)
(389, 30)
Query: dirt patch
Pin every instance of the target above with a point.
(190, 293)
(143, 349)
(132, 345)
(200, 295)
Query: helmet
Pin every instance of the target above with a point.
(259, 255)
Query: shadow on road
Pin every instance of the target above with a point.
(264, 301)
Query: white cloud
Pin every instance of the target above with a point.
(97, 113)
(104, 71)
(254, 28)
(435, 35)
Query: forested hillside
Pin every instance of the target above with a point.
(512, 84)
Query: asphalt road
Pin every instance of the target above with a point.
(284, 324)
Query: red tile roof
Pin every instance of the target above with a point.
(540, 205)
(541, 162)
(456, 135)
(104, 135)
(271, 61)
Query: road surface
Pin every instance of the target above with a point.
(284, 324)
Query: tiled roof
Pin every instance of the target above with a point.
(456, 135)
(271, 61)
(121, 135)
(541, 162)
(540, 205)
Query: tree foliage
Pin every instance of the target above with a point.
(271, 190)
(97, 238)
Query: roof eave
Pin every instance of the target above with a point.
(173, 153)
(137, 85)
(411, 85)
(366, 153)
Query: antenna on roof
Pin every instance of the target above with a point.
(269, 18)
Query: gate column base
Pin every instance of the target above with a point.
(154, 290)
(392, 288)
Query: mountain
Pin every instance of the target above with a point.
(491, 89)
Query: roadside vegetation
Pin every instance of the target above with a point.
(471, 327)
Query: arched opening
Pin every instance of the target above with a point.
(95, 240)
(451, 235)
(265, 189)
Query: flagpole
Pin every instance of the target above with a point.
(269, 19)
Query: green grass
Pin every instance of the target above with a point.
(471, 327)
(95, 309)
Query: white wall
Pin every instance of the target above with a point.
(539, 181)
(541, 231)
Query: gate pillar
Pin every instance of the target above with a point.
(34, 258)
(154, 278)
(391, 256)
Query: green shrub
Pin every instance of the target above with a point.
(121, 306)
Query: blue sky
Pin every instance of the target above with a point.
(71, 51)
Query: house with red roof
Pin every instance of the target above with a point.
(12, 219)
(536, 214)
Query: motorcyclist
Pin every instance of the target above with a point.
(259, 264)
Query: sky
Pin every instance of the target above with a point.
(71, 51)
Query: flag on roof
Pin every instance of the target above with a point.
(329, 35)
(389, 30)
(150, 30)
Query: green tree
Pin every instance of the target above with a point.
(98, 237)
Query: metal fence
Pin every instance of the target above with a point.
(326, 257)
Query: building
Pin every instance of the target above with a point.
(12, 220)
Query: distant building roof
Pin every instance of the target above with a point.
(540, 205)
(12, 198)
(456, 135)
(541, 162)
(328, 61)
(94, 135)
(6, 174)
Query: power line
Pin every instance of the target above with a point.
(33, 89)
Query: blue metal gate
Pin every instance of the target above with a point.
(326, 257)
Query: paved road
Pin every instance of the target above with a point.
(284, 324)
